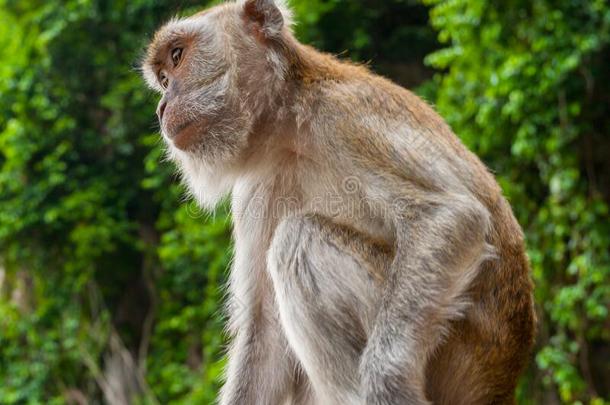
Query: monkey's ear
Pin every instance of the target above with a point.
(269, 16)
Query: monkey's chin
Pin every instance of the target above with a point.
(187, 137)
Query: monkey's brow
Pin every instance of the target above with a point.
(172, 40)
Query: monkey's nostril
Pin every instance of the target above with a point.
(161, 110)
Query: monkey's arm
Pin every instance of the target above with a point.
(439, 247)
(260, 368)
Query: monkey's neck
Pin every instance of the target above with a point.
(283, 124)
(274, 131)
(308, 66)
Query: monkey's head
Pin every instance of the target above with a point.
(216, 72)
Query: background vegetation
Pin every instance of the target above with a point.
(110, 279)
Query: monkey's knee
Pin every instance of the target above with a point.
(292, 239)
(290, 234)
(307, 254)
(318, 279)
(320, 311)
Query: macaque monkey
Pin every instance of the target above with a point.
(376, 260)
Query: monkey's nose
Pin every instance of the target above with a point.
(161, 110)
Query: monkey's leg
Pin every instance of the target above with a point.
(440, 247)
(323, 276)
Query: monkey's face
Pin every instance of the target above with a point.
(219, 75)
(190, 62)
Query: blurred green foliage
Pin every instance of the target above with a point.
(106, 268)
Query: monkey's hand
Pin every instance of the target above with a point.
(439, 249)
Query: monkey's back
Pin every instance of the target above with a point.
(484, 354)
(481, 357)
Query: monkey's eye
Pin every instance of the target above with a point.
(164, 80)
(176, 56)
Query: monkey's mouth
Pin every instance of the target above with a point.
(186, 135)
